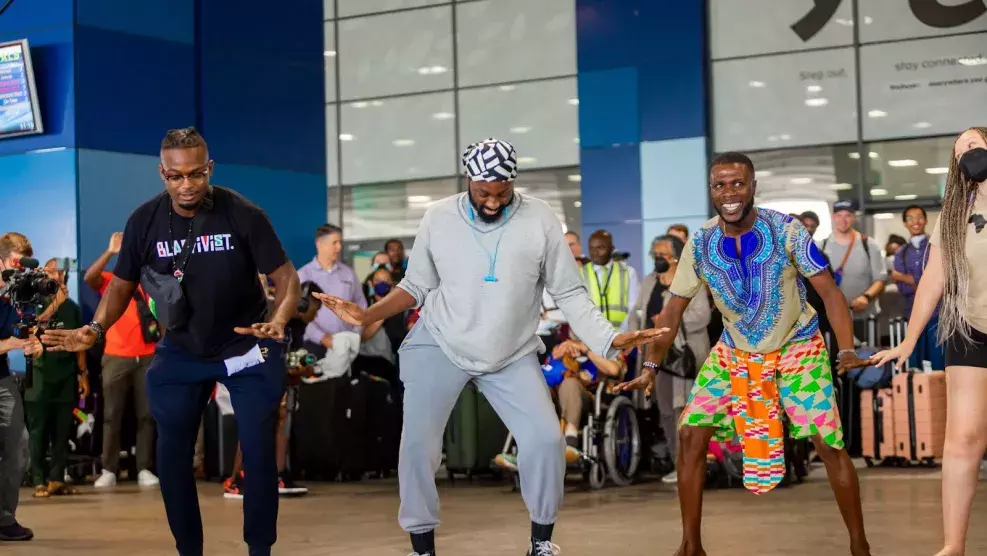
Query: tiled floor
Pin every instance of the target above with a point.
(902, 511)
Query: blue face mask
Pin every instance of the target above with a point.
(382, 289)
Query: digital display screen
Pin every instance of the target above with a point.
(19, 114)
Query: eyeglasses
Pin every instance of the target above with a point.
(198, 177)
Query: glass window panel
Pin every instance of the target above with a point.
(887, 20)
(399, 138)
(332, 144)
(512, 40)
(349, 8)
(559, 188)
(769, 26)
(797, 180)
(328, 9)
(396, 53)
(922, 88)
(787, 100)
(391, 209)
(541, 119)
(910, 169)
(329, 55)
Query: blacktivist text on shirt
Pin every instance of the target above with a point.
(234, 242)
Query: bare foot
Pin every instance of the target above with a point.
(862, 549)
(948, 551)
(690, 549)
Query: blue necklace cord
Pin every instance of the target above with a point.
(490, 277)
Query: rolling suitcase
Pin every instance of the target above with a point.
(384, 426)
(920, 416)
(877, 422)
(474, 435)
(219, 442)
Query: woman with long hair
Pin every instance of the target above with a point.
(957, 275)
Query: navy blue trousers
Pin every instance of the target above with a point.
(179, 386)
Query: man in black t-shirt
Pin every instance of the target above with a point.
(215, 334)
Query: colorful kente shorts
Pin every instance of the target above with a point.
(740, 393)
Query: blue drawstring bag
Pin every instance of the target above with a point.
(872, 376)
(554, 371)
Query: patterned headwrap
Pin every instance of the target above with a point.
(490, 160)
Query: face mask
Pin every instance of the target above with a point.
(973, 164)
(661, 265)
(382, 289)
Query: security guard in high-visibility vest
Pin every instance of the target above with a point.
(613, 285)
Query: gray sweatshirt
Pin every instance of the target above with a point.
(483, 326)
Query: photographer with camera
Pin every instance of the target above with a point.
(13, 435)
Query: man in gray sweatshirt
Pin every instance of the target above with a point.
(480, 263)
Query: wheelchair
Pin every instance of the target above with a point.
(610, 439)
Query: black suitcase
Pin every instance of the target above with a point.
(311, 433)
(350, 434)
(330, 429)
(384, 418)
(219, 443)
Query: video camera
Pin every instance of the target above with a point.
(29, 290)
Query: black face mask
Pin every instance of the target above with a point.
(661, 265)
(973, 164)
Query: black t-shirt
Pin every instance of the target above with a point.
(235, 242)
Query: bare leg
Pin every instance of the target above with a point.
(843, 481)
(237, 462)
(693, 445)
(966, 438)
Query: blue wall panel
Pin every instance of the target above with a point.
(643, 153)
(295, 202)
(608, 112)
(673, 99)
(263, 83)
(28, 16)
(111, 186)
(50, 224)
(51, 54)
(606, 34)
(131, 90)
(611, 184)
(673, 178)
(171, 20)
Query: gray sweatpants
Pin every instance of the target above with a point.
(519, 395)
(13, 441)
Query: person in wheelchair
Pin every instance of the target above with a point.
(573, 373)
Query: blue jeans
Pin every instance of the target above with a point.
(179, 386)
(927, 349)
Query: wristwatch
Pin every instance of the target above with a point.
(98, 329)
(842, 352)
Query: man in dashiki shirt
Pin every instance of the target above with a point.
(771, 355)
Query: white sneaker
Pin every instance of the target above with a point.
(147, 479)
(671, 478)
(106, 479)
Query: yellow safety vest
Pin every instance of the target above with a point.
(611, 296)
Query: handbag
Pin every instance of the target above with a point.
(167, 291)
(680, 362)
